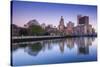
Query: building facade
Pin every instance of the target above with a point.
(31, 23)
(15, 30)
(70, 28)
(83, 27)
(61, 25)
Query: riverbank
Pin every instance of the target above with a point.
(16, 39)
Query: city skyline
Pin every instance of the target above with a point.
(50, 13)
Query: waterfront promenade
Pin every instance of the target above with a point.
(15, 39)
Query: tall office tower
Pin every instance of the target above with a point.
(83, 23)
(61, 25)
(84, 20)
(78, 17)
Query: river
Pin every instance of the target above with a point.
(65, 50)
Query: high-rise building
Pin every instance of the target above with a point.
(83, 20)
(61, 21)
(70, 24)
(89, 29)
(61, 24)
(83, 25)
(78, 17)
(70, 28)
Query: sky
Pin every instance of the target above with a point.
(50, 13)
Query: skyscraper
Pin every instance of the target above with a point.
(78, 17)
(61, 24)
(83, 25)
(83, 19)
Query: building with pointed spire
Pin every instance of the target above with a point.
(61, 25)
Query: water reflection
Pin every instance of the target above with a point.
(70, 43)
(83, 45)
(34, 48)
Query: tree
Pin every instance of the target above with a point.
(36, 30)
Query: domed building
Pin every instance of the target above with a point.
(32, 22)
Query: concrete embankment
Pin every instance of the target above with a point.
(37, 38)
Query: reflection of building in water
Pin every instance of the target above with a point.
(83, 47)
(34, 49)
(46, 45)
(14, 47)
(61, 46)
(70, 42)
(83, 50)
(89, 41)
(49, 45)
(43, 45)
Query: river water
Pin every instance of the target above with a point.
(54, 51)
